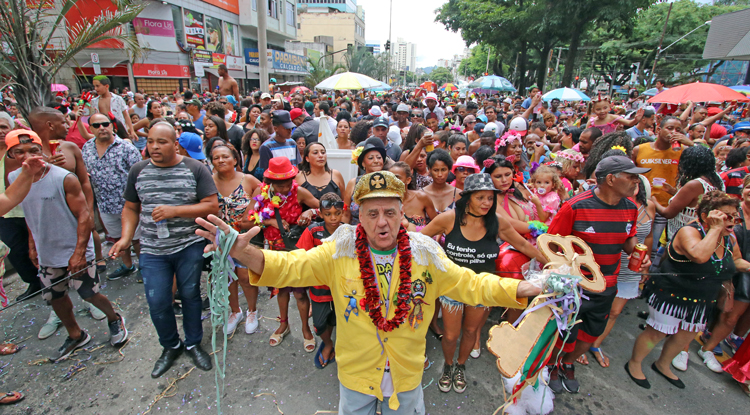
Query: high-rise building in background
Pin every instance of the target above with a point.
(406, 55)
(342, 20)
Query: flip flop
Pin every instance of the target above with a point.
(8, 348)
(11, 397)
(582, 359)
(278, 338)
(598, 354)
(319, 356)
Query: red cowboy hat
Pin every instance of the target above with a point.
(280, 168)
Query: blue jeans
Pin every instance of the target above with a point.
(157, 272)
(356, 403)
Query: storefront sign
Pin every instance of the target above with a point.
(149, 70)
(235, 63)
(251, 56)
(232, 6)
(86, 12)
(218, 59)
(289, 61)
(214, 35)
(230, 39)
(194, 30)
(203, 56)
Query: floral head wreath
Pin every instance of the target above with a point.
(574, 157)
(507, 138)
(621, 148)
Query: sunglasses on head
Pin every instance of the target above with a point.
(327, 204)
(100, 124)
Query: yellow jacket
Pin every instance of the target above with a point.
(359, 353)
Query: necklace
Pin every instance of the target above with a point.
(372, 301)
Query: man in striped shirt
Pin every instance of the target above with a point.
(281, 144)
(605, 218)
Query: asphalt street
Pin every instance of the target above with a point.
(266, 380)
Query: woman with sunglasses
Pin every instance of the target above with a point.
(727, 321)
(315, 175)
(251, 143)
(235, 190)
(700, 257)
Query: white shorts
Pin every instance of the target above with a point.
(628, 290)
(113, 223)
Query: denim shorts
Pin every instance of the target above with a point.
(454, 305)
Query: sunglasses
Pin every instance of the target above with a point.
(737, 219)
(327, 204)
(465, 170)
(100, 124)
(222, 102)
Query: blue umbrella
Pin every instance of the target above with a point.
(652, 92)
(566, 94)
(382, 87)
(492, 83)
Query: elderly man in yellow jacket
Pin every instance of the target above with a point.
(384, 283)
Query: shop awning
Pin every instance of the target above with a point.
(729, 37)
(107, 63)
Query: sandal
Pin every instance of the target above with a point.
(276, 338)
(435, 333)
(599, 356)
(319, 362)
(11, 397)
(582, 359)
(8, 348)
(309, 345)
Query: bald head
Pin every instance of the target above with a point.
(163, 129)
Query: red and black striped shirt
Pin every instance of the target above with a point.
(309, 239)
(605, 228)
(734, 179)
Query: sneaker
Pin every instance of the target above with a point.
(177, 310)
(70, 346)
(568, 376)
(705, 337)
(555, 382)
(251, 323)
(117, 331)
(446, 380)
(733, 342)
(96, 314)
(710, 360)
(120, 272)
(233, 321)
(206, 304)
(475, 353)
(459, 378)
(50, 327)
(680, 362)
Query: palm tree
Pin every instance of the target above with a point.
(360, 60)
(31, 28)
(318, 72)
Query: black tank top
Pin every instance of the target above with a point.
(478, 256)
(318, 192)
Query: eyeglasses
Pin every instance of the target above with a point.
(100, 124)
(327, 204)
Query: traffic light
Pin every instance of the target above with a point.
(576, 77)
(387, 45)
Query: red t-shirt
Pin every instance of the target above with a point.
(605, 228)
(75, 137)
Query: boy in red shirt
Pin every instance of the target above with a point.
(324, 318)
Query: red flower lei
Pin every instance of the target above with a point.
(371, 302)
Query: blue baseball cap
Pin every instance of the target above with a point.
(231, 99)
(741, 126)
(193, 144)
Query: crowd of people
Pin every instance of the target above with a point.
(468, 182)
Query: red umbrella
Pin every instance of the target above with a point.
(698, 92)
(300, 89)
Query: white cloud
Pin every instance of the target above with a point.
(414, 21)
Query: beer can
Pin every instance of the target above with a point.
(637, 257)
(676, 145)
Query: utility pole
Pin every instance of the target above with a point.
(390, 29)
(658, 49)
(487, 67)
(263, 45)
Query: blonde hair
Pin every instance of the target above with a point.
(543, 171)
(567, 162)
(548, 116)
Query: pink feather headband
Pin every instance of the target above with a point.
(507, 138)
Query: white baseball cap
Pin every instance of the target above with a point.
(508, 101)
(518, 124)
(265, 95)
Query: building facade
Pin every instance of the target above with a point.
(406, 55)
(346, 29)
(184, 41)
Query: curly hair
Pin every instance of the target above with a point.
(246, 149)
(735, 157)
(604, 144)
(695, 162)
(358, 133)
(543, 171)
(715, 199)
(568, 163)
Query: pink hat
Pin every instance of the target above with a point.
(465, 161)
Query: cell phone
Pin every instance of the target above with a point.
(583, 184)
